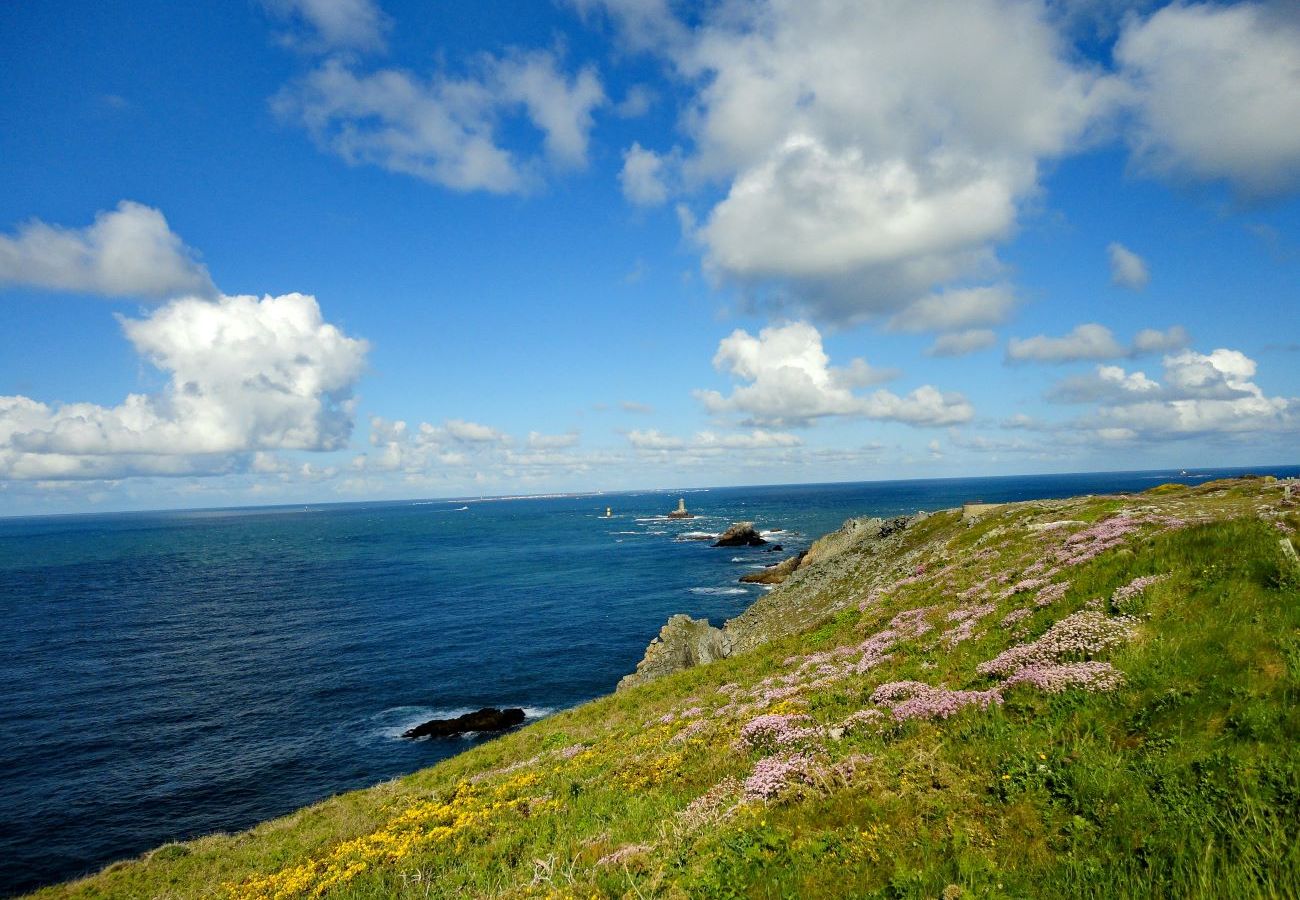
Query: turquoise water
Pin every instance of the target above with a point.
(165, 675)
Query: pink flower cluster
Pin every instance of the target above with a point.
(570, 751)
(1091, 676)
(773, 774)
(1082, 634)
(773, 730)
(940, 703)
(860, 719)
(1124, 596)
(968, 617)
(1016, 615)
(689, 732)
(1050, 594)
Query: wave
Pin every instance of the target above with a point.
(695, 536)
(719, 591)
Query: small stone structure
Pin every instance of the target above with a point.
(680, 512)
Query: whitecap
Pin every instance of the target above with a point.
(718, 591)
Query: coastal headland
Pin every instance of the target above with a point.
(1065, 698)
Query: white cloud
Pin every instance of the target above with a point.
(444, 130)
(1149, 340)
(243, 374)
(1216, 89)
(336, 24)
(473, 432)
(632, 406)
(956, 309)
(870, 152)
(712, 442)
(1094, 342)
(654, 439)
(788, 380)
(1204, 394)
(1127, 269)
(1085, 342)
(642, 177)
(636, 102)
(539, 441)
(1106, 383)
(962, 342)
(128, 252)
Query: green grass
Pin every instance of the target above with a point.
(1184, 782)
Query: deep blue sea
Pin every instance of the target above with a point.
(169, 674)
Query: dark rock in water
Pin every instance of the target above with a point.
(740, 534)
(486, 719)
(775, 548)
(775, 574)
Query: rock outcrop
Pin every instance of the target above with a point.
(682, 642)
(776, 573)
(808, 593)
(740, 534)
(486, 719)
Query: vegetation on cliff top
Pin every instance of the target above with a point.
(1095, 697)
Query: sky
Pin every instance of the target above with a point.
(298, 251)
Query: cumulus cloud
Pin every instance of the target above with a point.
(1151, 340)
(243, 375)
(1202, 394)
(643, 177)
(1094, 342)
(869, 152)
(335, 24)
(1216, 91)
(1085, 342)
(127, 252)
(1127, 269)
(1106, 383)
(956, 309)
(962, 342)
(445, 129)
(787, 380)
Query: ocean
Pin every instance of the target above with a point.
(165, 675)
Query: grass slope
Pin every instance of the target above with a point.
(1150, 749)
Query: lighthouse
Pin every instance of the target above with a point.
(680, 512)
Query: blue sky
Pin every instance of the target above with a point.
(310, 250)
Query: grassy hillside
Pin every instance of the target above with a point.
(1087, 698)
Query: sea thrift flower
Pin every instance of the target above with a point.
(897, 690)
(692, 713)
(1016, 615)
(1124, 596)
(1091, 676)
(968, 617)
(570, 751)
(776, 730)
(774, 774)
(1050, 594)
(860, 719)
(940, 703)
(1082, 634)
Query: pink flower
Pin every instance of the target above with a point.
(1091, 676)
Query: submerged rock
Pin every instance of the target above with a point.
(740, 534)
(487, 719)
(682, 642)
(776, 573)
